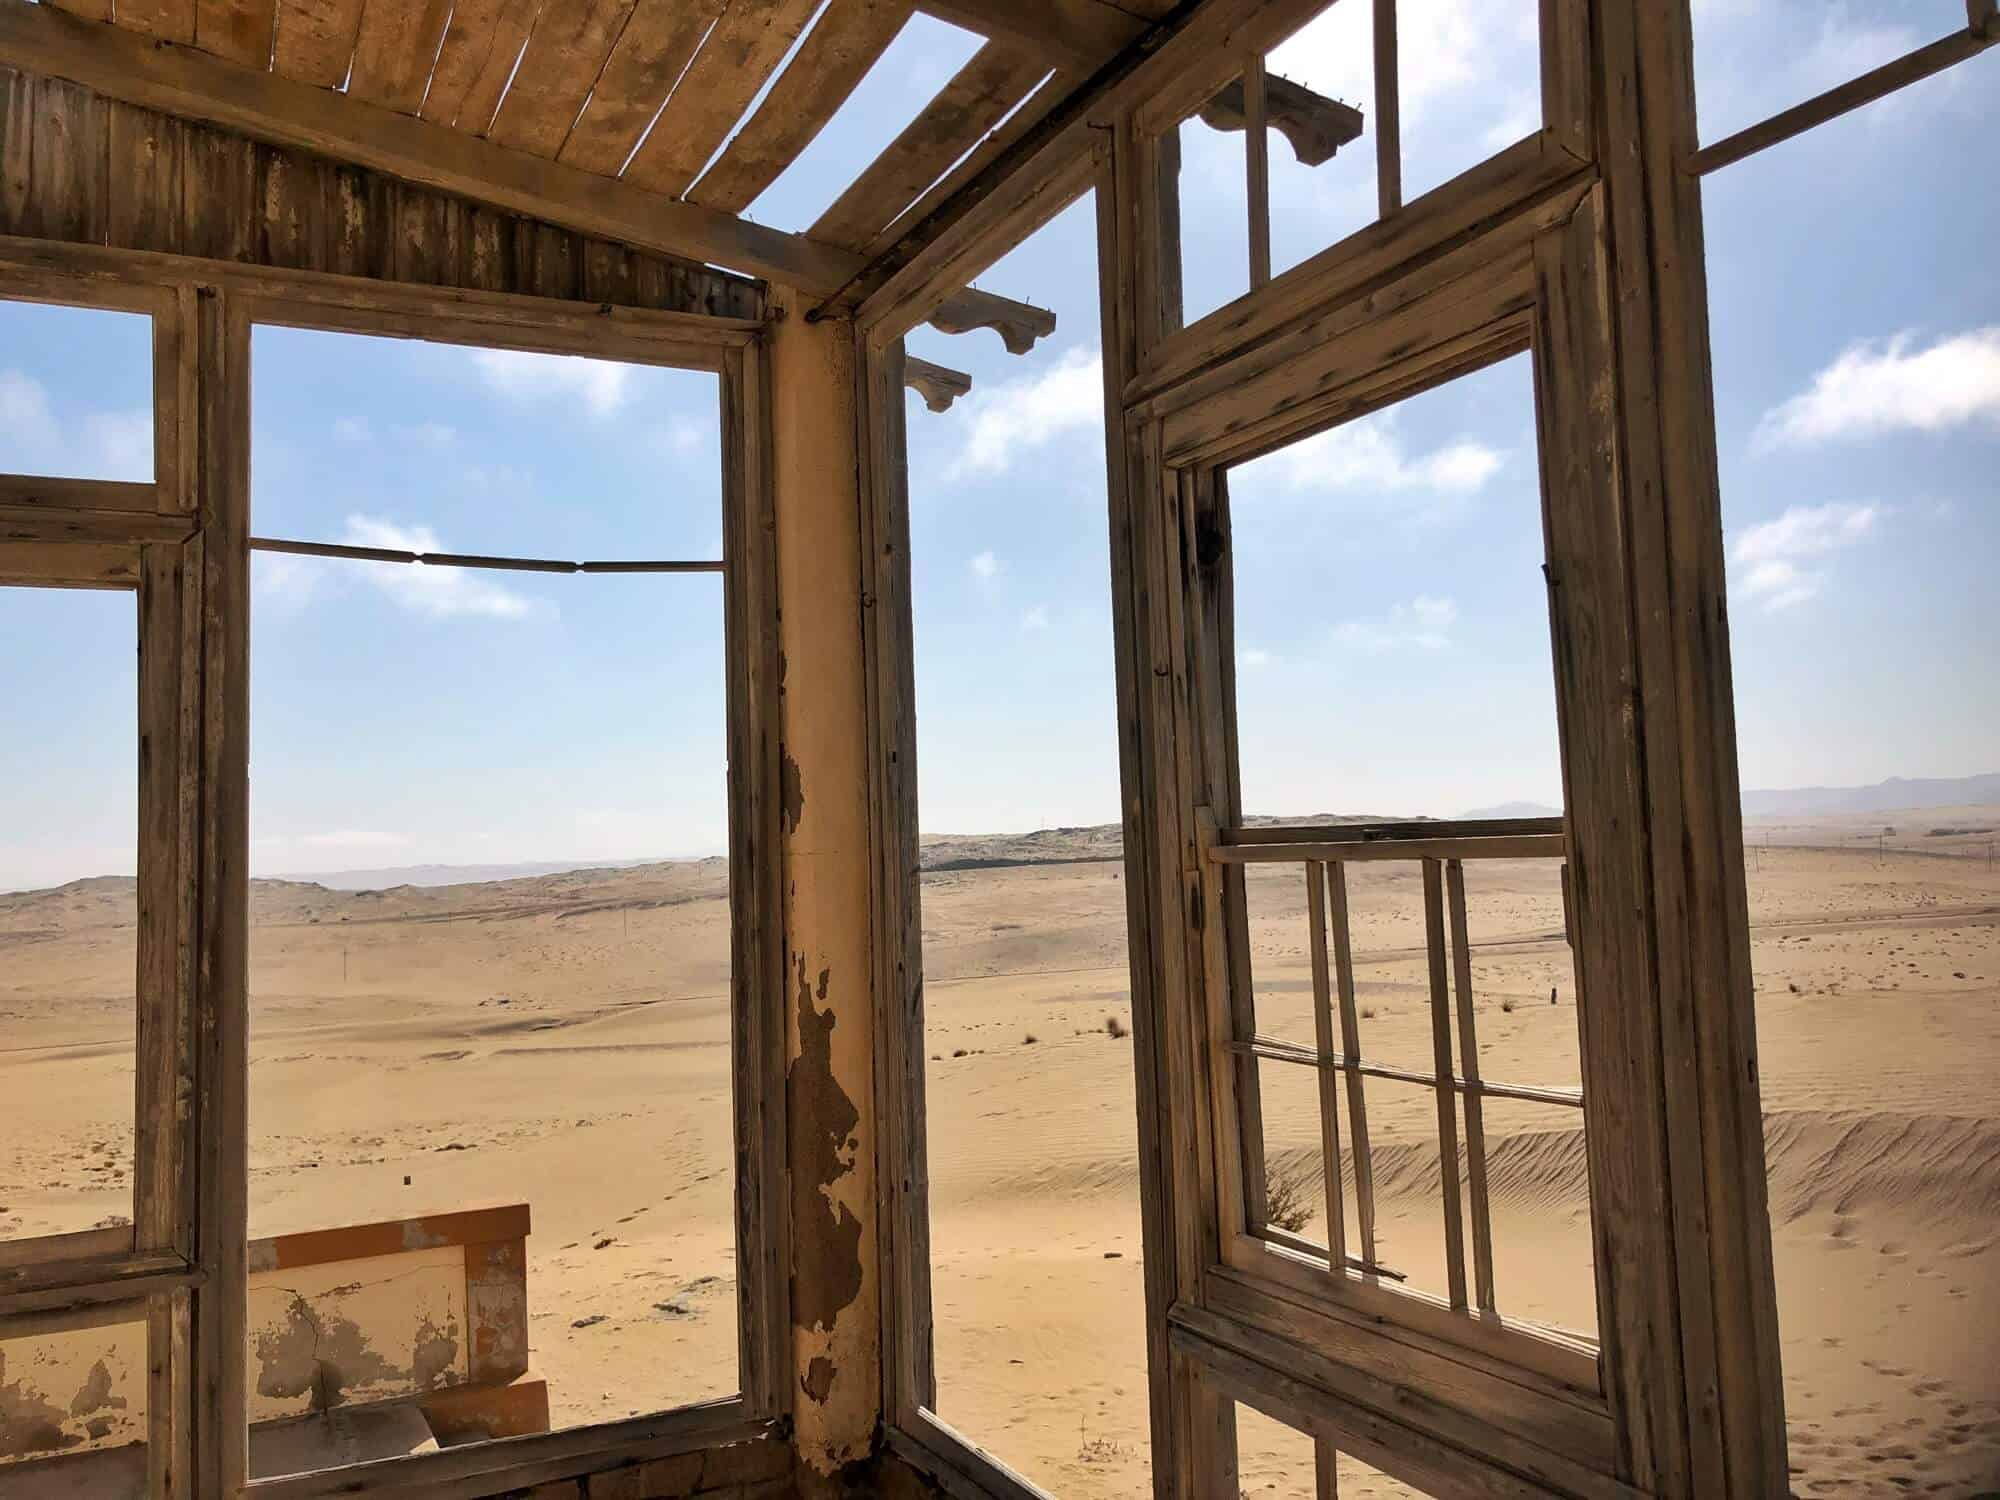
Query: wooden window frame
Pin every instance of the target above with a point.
(182, 542)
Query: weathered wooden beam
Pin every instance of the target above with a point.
(1315, 125)
(1074, 34)
(188, 83)
(938, 385)
(182, 81)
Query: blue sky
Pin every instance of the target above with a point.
(1392, 626)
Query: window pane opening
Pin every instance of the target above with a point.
(76, 392)
(68, 909)
(490, 958)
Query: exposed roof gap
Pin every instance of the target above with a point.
(430, 75)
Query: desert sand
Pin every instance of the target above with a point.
(563, 1041)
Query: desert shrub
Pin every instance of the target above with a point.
(1286, 1203)
(1114, 1026)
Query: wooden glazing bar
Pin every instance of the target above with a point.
(472, 560)
(1326, 1474)
(1362, 833)
(1277, 1049)
(1506, 846)
(1468, 1067)
(1350, 1042)
(1257, 162)
(1447, 1104)
(1388, 112)
(1329, 1083)
(1875, 84)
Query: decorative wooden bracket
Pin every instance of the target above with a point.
(1315, 125)
(938, 385)
(1018, 324)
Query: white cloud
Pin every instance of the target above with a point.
(353, 430)
(1035, 619)
(1253, 657)
(1424, 622)
(1367, 454)
(682, 435)
(436, 436)
(1018, 415)
(986, 565)
(601, 386)
(440, 593)
(1878, 386)
(1769, 552)
(98, 445)
(1442, 45)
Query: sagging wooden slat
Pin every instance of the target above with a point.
(743, 48)
(394, 51)
(185, 82)
(1019, 324)
(1074, 34)
(1447, 1102)
(1329, 1083)
(315, 41)
(937, 384)
(1315, 125)
(641, 71)
(240, 30)
(844, 43)
(1475, 1112)
(1278, 1049)
(565, 53)
(977, 98)
(163, 20)
(1350, 1044)
(481, 46)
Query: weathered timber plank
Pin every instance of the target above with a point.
(475, 60)
(394, 50)
(565, 52)
(240, 30)
(742, 49)
(645, 63)
(839, 50)
(993, 81)
(315, 40)
(163, 20)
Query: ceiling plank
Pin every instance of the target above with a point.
(993, 81)
(1077, 35)
(566, 52)
(89, 10)
(394, 51)
(163, 20)
(316, 40)
(743, 49)
(643, 67)
(837, 53)
(481, 45)
(183, 81)
(240, 30)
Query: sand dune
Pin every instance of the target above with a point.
(563, 1039)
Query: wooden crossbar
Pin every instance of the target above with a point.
(1279, 1050)
(1501, 846)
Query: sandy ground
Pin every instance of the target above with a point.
(563, 1041)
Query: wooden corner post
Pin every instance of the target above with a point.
(829, 973)
(1640, 623)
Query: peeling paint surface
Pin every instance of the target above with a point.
(70, 1390)
(825, 1141)
(361, 1330)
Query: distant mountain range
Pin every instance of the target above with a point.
(1897, 794)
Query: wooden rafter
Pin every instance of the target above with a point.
(845, 42)
(742, 49)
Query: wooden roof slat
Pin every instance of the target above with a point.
(837, 53)
(644, 65)
(993, 81)
(743, 49)
(476, 61)
(239, 30)
(1076, 35)
(162, 20)
(394, 51)
(566, 52)
(315, 40)
(89, 10)
(1053, 90)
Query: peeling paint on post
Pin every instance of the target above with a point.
(830, 1092)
